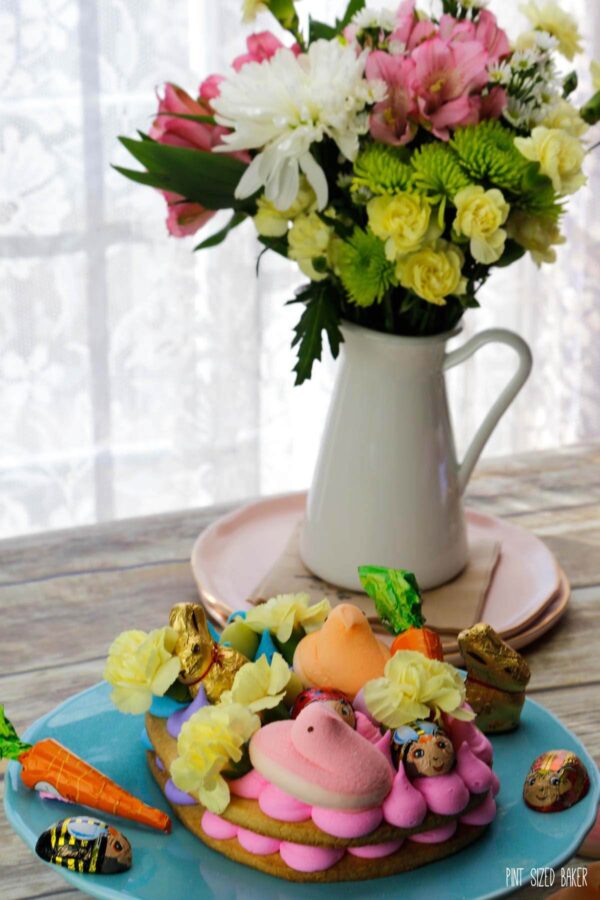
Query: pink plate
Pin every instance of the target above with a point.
(234, 554)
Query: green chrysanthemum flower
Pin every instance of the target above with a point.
(363, 268)
(380, 169)
(438, 172)
(488, 154)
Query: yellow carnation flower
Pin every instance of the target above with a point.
(433, 273)
(258, 685)
(480, 215)
(565, 116)
(310, 238)
(551, 18)
(536, 234)
(414, 686)
(273, 222)
(403, 222)
(282, 614)
(212, 739)
(141, 665)
(595, 73)
(560, 157)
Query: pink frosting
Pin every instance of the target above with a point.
(476, 776)
(444, 794)
(484, 814)
(258, 844)
(347, 824)
(216, 827)
(303, 858)
(282, 806)
(436, 836)
(495, 783)
(375, 851)
(467, 731)
(321, 761)
(249, 785)
(404, 806)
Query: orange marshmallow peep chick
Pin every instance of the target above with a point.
(344, 653)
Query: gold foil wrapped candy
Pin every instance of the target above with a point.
(496, 679)
(203, 661)
(556, 780)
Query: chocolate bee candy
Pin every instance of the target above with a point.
(556, 780)
(85, 845)
(337, 700)
(423, 748)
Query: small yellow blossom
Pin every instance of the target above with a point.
(403, 221)
(282, 614)
(414, 686)
(273, 222)
(309, 239)
(565, 117)
(550, 17)
(536, 234)
(480, 215)
(560, 157)
(595, 73)
(212, 739)
(141, 665)
(258, 685)
(251, 8)
(434, 272)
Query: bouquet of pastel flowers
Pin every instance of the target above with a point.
(396, 156)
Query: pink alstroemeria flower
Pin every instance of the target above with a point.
(494, 104)
(393, 120)
(407, 19)
(261, 47)
(454, 31)
(184, 218)
(210, 88)
(493, 38)
(445, 77)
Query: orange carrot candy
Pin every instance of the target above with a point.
(53, 770)
(399, 606)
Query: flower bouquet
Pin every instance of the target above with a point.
(397, 157)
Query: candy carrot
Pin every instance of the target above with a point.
(52, 769)
(398, 603)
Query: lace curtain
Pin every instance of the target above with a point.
(137, 377)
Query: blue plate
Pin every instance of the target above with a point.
(179, 867)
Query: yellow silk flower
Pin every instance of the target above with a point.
(285, 612)
(258, 685)
(480, 215)
(141, 665)
(208, 742)
(551, 18)
(414, 686)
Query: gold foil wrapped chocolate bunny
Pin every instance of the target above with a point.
(496, 679)
(203, 661)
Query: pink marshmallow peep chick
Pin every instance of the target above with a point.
(319, 760)
(344, 653)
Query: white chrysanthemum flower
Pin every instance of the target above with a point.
(384, 19)
(500, 73)
(284, 105)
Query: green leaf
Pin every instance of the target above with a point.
(278, 245)
(317, 30)
(321, 314)
(570, 84)
(10, 745)
(396, 595)
(219, 236)
(157, 181)
(590, 113)
(354, 6)
(206, 178)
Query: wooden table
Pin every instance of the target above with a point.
(65, 595)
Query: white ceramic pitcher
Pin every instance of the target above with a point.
(387, 489)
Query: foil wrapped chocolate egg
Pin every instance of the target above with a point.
(423, 748)
(85, 845)
(556, 780)
(337, 700)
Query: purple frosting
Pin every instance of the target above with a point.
(174, 795)
(176, 720)
(159, 764)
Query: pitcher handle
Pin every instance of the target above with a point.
(490, 336)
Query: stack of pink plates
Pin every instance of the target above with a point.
(527, 596)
